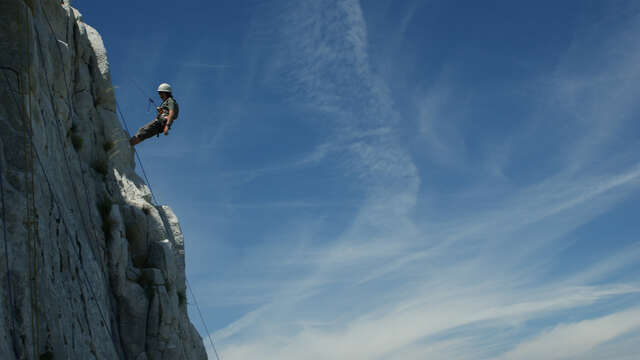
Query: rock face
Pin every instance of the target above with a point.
(90, 268)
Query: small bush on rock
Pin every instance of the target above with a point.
(76, 140)
(104, 207)
(100, 166)
(107, 146)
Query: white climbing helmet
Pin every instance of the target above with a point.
(164, 87)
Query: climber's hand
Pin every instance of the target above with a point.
(166, 130)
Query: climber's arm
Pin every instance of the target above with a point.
(170, 119)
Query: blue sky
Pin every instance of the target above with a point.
(397, 179)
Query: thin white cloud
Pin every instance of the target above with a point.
(571, 341)
(396, 283)
(443, 142)
(430, 277)
(376, 334)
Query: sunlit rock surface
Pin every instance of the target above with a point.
(90, 268)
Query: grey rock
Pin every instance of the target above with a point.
(133, 273)
(161, 257)
(152, 276)
(177, 241)
(111, 281)
(133, 309)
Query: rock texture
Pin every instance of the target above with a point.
(90, 268)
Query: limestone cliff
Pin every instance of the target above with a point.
(90, 268)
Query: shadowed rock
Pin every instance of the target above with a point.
(93, 269)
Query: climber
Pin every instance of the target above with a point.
(167, 113)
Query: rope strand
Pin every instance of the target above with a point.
(195, 301)
(144, 173)
(12, 306)
(31, 217)
(124, 121)
(34, 151)
(60, 210)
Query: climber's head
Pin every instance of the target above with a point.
(164, 90)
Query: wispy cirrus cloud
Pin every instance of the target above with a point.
(438, 127)
(396, 283)
(574, 340)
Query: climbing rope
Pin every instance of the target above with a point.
(30, 224)
(150, 100)
(59, 127)
(56, 201)
(90, 235)
(152, 194)
(88, 284)
(126, 126)
(12, 305)
(31, 217)
(144, 173)
(195, 301)
(33, 150)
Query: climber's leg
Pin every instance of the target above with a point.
(148, 130)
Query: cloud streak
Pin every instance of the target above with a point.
(396, 283)
(576, 339)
